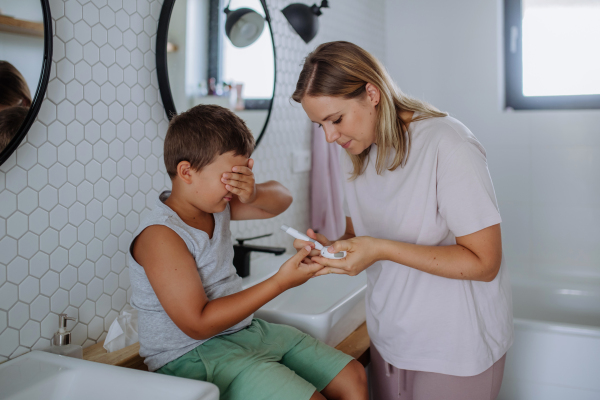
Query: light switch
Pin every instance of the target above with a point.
(301, 161)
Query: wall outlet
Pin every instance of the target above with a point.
(301, 161)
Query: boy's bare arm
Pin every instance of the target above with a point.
(173, 274)
(272, 198)
(255, 201)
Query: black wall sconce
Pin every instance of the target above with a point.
(244, 25)
(304, 19)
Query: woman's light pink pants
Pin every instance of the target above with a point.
(391, 383)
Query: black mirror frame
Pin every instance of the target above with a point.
(162, 69)
(41, 88)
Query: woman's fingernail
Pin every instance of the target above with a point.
(307, 248)
(330, 249)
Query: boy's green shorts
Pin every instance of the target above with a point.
(262, 361)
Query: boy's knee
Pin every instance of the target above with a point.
(358, 372)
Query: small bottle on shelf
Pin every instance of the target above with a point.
(61, 343)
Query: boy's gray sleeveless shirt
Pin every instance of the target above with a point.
(161, 341)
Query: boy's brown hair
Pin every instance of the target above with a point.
(15, 91)
(11, 120)
(202, 133)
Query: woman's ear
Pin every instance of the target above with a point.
(184, 170)
(373, 94)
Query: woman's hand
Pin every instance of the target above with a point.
(362, 252)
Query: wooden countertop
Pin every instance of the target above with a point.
(355, 345)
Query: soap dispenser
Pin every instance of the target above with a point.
(61, 343)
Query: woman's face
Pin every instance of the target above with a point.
(350, 123)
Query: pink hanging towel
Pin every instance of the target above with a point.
(327, 214)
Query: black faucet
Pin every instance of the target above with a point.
(241, 254)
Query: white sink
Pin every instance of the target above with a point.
(328, 307)
(40, 375)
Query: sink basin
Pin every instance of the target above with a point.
(40, 375)
(328, 307)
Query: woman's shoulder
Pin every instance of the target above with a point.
(446, 134)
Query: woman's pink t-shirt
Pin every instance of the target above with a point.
(420, 321)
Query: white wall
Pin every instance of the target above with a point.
(545, 165)
(91, 165)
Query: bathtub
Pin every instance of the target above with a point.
(556, 351)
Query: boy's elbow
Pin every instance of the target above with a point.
(198, 333)
(284, 199)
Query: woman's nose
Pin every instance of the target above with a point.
(331, 135)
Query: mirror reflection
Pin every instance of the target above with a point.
(222, 54)
(21, 60)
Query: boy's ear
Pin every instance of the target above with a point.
(184, 170)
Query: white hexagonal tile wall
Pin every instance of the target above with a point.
(49, 283)
(39, 308)
(103, 112)
(18, 315)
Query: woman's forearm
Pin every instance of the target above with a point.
(454, 261)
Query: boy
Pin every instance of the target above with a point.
(186, 289)
(11, 120)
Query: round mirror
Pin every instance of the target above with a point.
(25, 57)
(214, 53)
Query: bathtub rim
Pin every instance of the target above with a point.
(560, 328)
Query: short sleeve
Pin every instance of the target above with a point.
(465, 194)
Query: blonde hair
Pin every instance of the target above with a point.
(343, 69)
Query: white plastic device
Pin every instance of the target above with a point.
(333, 256)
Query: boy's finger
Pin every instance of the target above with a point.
(242, 170)
(314, 267)
(298, 244)
(234, 190)
(234, 177)
(300, 255)
(238, 184)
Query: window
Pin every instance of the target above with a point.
(552, 54)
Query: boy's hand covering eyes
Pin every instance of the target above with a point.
(241, 182)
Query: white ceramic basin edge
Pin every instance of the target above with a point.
(40, 375)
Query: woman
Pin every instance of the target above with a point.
(422, 220)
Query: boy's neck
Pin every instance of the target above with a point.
(191, 214)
